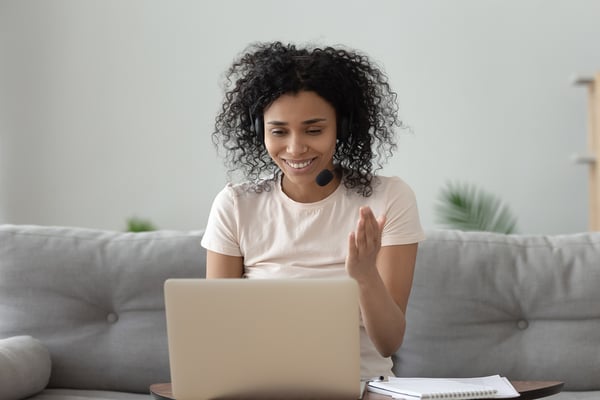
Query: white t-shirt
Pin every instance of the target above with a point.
(281, 238)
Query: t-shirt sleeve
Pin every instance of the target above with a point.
(403, 225)
(221, 234)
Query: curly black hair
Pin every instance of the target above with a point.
(356, 88)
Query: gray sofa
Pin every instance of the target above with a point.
(81, 311)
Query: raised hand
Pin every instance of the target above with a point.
(364, 245)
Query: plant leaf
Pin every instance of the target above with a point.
(135, 224)
(465, 207)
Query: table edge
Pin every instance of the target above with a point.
(528, 390)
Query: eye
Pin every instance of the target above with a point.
(277, 132)
(314, 131)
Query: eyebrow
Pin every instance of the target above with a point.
(307, 122)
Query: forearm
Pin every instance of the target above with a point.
(384, 320)
(384, 277)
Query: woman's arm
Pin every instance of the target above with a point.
(222, 266)
(384, 276)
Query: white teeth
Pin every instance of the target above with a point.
(299, 165)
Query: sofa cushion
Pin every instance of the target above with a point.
(94, 299)
(524, 306)
(24, 367)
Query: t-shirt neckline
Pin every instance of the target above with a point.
(331, 197)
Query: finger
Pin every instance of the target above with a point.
(372, 230)
(381, 223)
(380, 226)
(352, 250)
(360, 235)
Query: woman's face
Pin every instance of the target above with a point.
(300, 136)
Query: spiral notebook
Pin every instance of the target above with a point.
(488, 387)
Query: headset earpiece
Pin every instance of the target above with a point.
(259, 128)
(344, 129)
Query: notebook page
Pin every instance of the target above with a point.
(503, 386)
(505, 389)
(434, 388)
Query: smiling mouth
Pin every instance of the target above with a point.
(299, 164)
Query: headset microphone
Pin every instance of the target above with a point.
(324, 177)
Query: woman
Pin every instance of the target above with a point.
(308, 127)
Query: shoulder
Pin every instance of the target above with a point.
(403, 225)
(237, 201)
(245, 192)
(391, 186)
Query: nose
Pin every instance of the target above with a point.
(296, 145)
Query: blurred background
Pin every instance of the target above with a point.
(107, 107)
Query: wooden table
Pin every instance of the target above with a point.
(528, 389)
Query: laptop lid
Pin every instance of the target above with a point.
(231, 338)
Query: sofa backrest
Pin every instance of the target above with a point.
(527, 307)
(95, 299)
(524, 306)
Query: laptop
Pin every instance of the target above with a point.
(263, 338)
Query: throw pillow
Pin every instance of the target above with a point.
(24, 367)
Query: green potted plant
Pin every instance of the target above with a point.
(136, 224)
(466, 207)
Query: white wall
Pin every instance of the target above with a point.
(106, 107)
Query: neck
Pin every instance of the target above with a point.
(309, 193)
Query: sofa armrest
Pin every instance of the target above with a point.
(24, 367)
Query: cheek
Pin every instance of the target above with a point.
(331, 147)
(272, 149)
